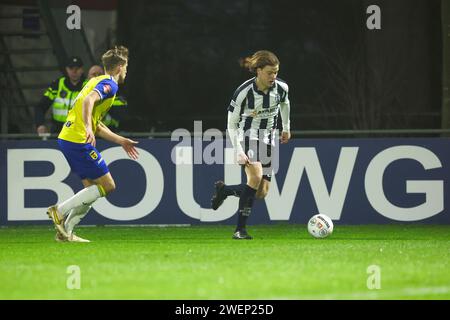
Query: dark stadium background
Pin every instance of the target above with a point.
(184, 60)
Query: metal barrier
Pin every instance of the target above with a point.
(296, 133)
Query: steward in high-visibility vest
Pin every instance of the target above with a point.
(59, 96)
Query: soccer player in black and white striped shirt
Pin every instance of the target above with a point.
(252, 124)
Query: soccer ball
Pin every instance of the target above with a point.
(320, 226)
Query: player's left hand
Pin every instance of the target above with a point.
(129, 146)
(285, 136)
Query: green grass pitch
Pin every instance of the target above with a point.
(203, 262)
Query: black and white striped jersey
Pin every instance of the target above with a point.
(254, 113)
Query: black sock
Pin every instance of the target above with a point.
(245, 206)
(234, 190)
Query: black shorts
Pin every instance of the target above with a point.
(258, 151)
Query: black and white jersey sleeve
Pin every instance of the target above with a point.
(285, 106)
(235, 109)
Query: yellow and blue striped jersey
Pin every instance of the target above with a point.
(74, 129)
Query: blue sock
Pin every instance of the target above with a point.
(245, 206)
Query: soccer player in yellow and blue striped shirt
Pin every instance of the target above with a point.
(77, 142)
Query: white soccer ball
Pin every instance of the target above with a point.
(320, 226)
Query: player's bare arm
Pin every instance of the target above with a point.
(127, 144)
(88, 105)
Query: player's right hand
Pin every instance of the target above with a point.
(90, 137)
